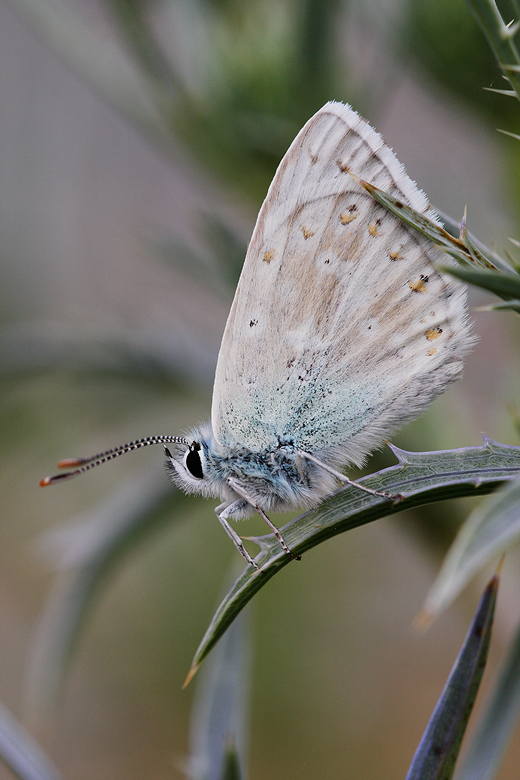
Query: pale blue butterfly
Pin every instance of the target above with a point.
(342, 329)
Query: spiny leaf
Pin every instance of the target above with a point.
(500, 38)
(423, 477)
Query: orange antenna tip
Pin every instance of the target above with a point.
(70, 463)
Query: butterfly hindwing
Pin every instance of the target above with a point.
(341, 328)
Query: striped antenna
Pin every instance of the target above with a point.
(80, 465)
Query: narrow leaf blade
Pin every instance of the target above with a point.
(462, 248)
(497, 723)
(438, 750)
(505, 285)
(24, 757)
(219, 724)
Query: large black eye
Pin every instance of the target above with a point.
(193, 462)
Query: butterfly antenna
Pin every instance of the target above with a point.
(80, 465)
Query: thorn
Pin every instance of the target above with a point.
(506, 92)
(356, 178)
(191, 674)
(398, 452)
(511, 29)
(506, 132)
(463, 223)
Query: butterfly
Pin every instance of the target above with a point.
(341, 330)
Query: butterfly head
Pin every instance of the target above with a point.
(191, 464)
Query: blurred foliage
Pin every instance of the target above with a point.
(449, 46)
(255, 96)
(232, 82)
(438, 750)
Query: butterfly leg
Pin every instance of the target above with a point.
(223, 511)
(234, 485)
(394, 497)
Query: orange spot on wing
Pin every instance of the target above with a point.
(348, 216)
(268, 256)
(307, 233)
(420, 285)
(433, 333)
(432, 352)
(373, 229)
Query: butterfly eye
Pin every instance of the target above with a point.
(193, 461)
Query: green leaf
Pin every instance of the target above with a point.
(500, 37)
(497, 723)
(219, 723)
(505, 285)
(24, 757)
(490, 530)
(423, 477)
(438, 750)
(88, 550)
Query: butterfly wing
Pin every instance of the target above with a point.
(341, 328)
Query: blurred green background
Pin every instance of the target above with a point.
(135, 149)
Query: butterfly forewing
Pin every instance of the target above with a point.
(341, 328)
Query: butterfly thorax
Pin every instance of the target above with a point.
(279, 479)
